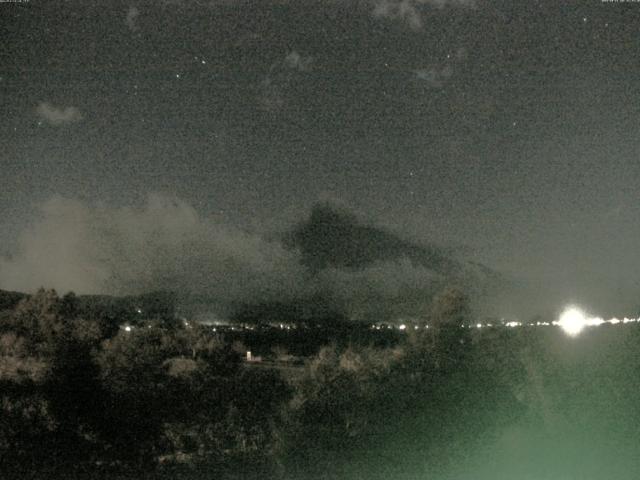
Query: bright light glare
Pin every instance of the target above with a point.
(572, 321)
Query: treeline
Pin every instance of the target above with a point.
(81, 397)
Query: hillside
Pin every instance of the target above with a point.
(361, 271)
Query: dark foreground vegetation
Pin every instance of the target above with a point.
(83, 398)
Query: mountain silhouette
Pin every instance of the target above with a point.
(335, 238)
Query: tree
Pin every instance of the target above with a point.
(343, 400)
(450, 308)
(37, 319)
(48, 381)
(450, 342)
(133, 378)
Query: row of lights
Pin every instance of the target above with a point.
(572, 322)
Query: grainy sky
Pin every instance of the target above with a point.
(507, 128)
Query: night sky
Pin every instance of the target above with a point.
(507, 130)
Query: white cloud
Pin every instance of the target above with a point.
(296, 61)
(164, 244)
(404, 10)
(131, 20)
(435, 77)
(58, 115)
(410, 11)
(274, 89)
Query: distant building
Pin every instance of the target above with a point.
(252, 358)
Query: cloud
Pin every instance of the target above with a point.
(272, 95)
(404, 10)
(410, 11)
(383, 290)
(298, 62)
(131, 20)
(164, 244)
(275, 88)
(58, 115)
(435, 77)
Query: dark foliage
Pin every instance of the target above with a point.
(9, 300)
(169, 400)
